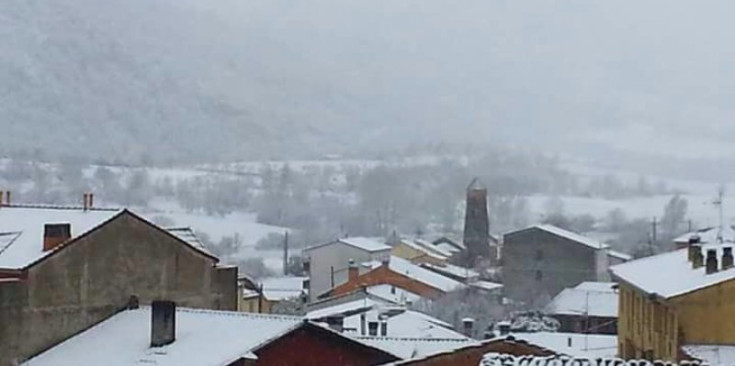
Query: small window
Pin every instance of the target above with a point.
(392, 290)
(539, 255)
(539, 276)
(373, 328)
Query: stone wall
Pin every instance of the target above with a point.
(96, 276)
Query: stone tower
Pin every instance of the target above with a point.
(477, 226)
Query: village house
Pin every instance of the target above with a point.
(678, 305)
(418, 252)
(398, 273)
(163, 334)
(590, 307)
(541, 261)
(65, 269)
(710, 235)
(261, 297)
(328, 264)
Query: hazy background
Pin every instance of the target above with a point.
(248, 118)
(223, 80)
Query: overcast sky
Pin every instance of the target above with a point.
(642, 76)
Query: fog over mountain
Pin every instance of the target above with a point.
(247, 79)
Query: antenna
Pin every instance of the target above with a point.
(719, 203)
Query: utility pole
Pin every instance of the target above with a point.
(285, 254)
(654, 229)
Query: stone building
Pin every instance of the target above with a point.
(479, 246)
(64, 270)
(541, 261)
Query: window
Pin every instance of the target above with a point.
(539, 276)
(373, 328)
(539, 255)
(392, 290)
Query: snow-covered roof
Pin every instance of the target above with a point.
(591, 298)
(714, 355)
(347, 308)
(203, 338)
(418, 273)
(671, 274)
(393, 294)
(451, 269)
(22, 243)
(402, 323)
(22, 230)
(367, 244)
(592, 243)
(448, 248)
(429, 245)
(486, 285)
(710, 235)
(406, 348)
(431, 252)
(187, 235)
(283, 288)
(619, 255)
(582, 345)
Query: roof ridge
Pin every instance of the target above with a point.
(415, 339)
(233, 313)
(43, 206)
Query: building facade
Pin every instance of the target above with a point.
(541, 261)
(86, 279)
(675, 301)
(328, 264)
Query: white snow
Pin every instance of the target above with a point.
(345, 308)
(418, 273)
(203, 338)
(393, 294)
(671, 274)
(461, 272)
(714, 355)
(283, 288)
(486, 285)
(572, 236)
(404, 324)
(573, 344)
(712, 235)
(25, 245)
(241, 224)
(368, 244)
(590, 298)
(407, 348)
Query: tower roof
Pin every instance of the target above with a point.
(476, 185)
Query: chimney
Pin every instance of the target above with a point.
(163, 323)
(2, 196)
(90, 200)
(469, 324)
(55, 234)
(504, 328)
(694, 241)
(383, 328)
(7, 198)
(353, 271)
(727, 260)
(363, 324)
(711, 263)
(697, 258)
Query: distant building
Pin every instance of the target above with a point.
(261, 297)
(419, 251)
(678, 305)
(591, 307)
(710, 235)
(327, 264)
(63, 270)
(173, 337)
(541, 261)
(397, 273)
(477, 241)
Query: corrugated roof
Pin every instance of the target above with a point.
(406, 348)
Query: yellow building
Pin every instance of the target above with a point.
(418, 252)
(678, 305)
